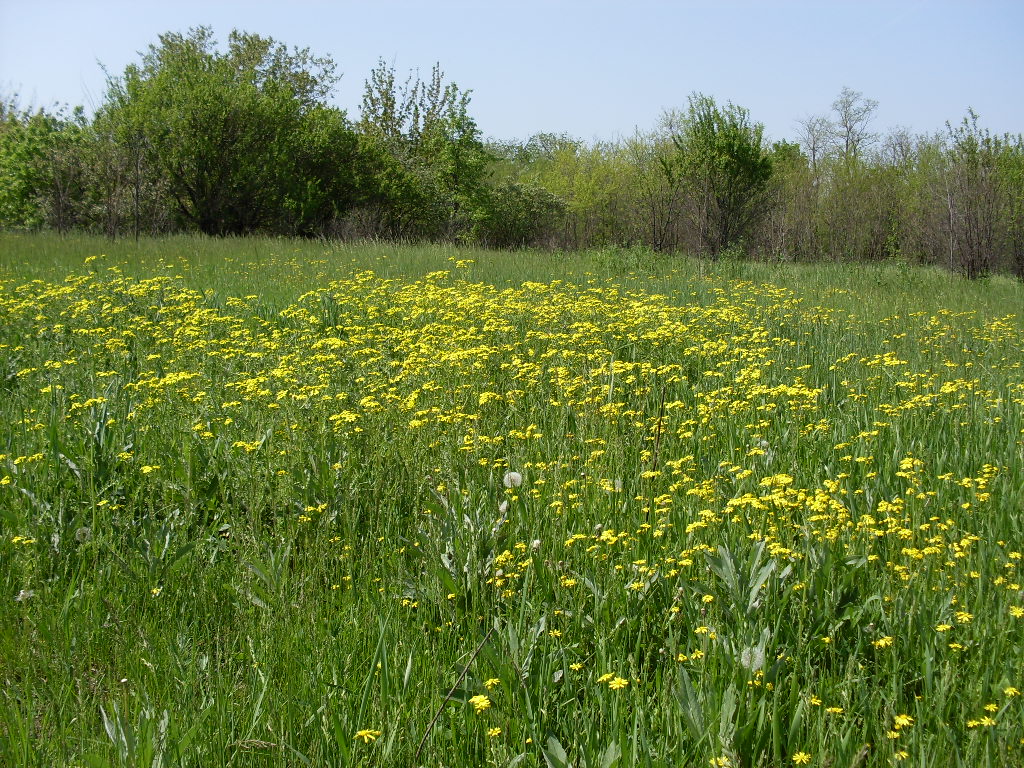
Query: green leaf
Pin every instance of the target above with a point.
(611, 755)
(554, 753)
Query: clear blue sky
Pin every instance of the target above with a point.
(594, 69)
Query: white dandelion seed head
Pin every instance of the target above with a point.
(752, 658)
(512, 480)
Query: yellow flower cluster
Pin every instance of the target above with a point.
(631, 444)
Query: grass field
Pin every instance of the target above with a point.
(266, 502)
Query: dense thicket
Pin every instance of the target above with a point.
(243, 140)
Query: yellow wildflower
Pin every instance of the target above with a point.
(480, 703)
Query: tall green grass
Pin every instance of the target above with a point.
(279, 270)
(268, 502)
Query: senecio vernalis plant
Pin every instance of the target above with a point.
(425, 521)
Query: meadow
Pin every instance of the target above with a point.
(272, 502)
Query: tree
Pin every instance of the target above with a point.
(424, 153)
(972, 197)
(517, 215)
(854, 114)
(816, 133)
(242, 138)
(725, 167)
(26, 139)
(1010, 174)
(787, 229)
(657, 191)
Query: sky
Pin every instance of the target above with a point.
(595, 70)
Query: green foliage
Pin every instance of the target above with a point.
(973, 194)
(659, 192)
(424, 158)
(722, 160)
(1010, 173)
(242, 138)
(595, 183)
(515, 215)
(27, 142)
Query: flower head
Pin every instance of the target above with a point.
(902, 721)
(480, 703)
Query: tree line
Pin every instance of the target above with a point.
(241, 139)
